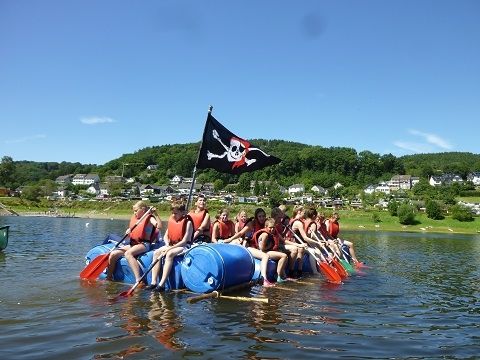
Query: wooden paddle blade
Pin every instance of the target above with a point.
(95, 267)
(330, 273)
(340, 269)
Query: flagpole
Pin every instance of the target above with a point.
(194, 175)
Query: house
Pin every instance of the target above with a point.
(64, 179)
(474, 178)
(177, 179)
(435, 180)
(152, 167)
(296, 189)
(383, 188)
(370, 189)
(337, 185)
(94, 189)
(318, 189)
(399, 182)
(85, 179)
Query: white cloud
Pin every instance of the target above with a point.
(413, 147)
(25, 139)
(93, 120)
(433, 139)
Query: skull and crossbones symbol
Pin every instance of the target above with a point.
(236, 152)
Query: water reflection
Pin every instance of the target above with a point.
(165, 324)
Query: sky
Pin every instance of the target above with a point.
(88, 81)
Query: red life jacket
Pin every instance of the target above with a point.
(143, 232)
(334, 228)
(177, 229)
(272, 239)
(198, 218)
(307, 224)
(225, 229)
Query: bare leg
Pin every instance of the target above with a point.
(167, 267)
(131, 256)
(112, 262)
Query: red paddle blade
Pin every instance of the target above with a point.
(95, 267)
(340, 269)
(330, 273)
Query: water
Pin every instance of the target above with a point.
(419, 300)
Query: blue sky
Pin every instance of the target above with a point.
(88, 81)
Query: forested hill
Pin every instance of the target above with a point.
(311, 165)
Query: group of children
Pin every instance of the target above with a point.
(277, 237)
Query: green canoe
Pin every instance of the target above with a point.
(3, 236)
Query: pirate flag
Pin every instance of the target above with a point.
(225, 152)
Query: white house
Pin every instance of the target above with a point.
(177, 179)
(318, 189)
(435, 180)
(85, 179)
(370, 189)
(474, 178)
(296, 189)
(383, 188)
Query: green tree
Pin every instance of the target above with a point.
(433, 210)
(243, 186)
(461, 213)
(393, 207)
(7, 172)
(406, 214)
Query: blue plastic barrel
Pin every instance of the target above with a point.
(209, 267)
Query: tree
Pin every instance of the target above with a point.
(7, 171)
(433, 210)
(406, 214)
(243, 186)
(461, 213)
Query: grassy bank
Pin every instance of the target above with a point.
(350, 219)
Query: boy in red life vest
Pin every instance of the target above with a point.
(141, 238)
(333, 228)
(267, 241)
(223, 228)
(177, 237)
(293, 250)
(201, 220)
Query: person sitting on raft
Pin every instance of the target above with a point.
(223, 228)
(267, 241)
(201, 220)
(178, 237)
(141, 238)
(293, 250)
(333, 228)
(250, 227)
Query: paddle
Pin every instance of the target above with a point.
(327, 271)
(130, 291)
(342, 271)
(216, 294)
(98, 265)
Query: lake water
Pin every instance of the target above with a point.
(418, 300)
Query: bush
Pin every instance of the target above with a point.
(393, 208)
(376, 218)
(406, 214)
(433, 210)
(461, 213)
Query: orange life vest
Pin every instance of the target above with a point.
(143, 232)
(225, 229)
(177, 229)
(272, 239)
(307, 224)
(334, 228)
(198, 218)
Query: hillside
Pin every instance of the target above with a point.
(301, 163)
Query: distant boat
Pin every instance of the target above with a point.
(4, 236)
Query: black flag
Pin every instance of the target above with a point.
(226, 152)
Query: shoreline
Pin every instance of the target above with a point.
(345, 225)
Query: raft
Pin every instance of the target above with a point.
(4, 237)
(203, 268)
